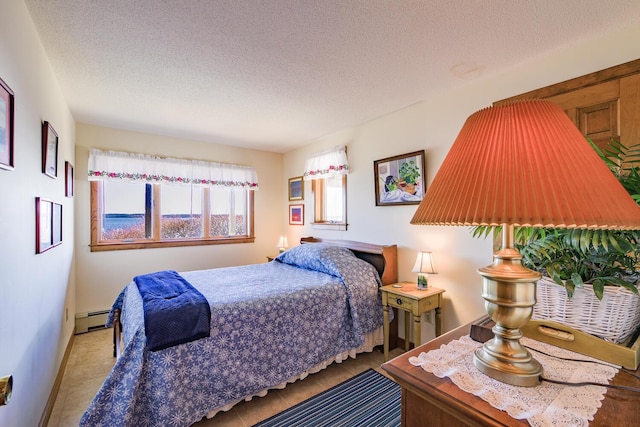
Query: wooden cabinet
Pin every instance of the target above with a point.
(603, 105)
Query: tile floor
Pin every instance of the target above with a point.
(91, 360)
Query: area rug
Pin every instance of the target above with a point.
(368, 399)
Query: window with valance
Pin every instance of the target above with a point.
(132, 167)
(326, 164)
(327, 171)
(141, 201)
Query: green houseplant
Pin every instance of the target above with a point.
(589, 264)
(573, 257)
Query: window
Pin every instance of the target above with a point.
(140, 202)
(180, 212)
(328, 174)
(330, 202)
(126, 216)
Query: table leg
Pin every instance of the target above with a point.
(385, 327)
(407, 330)
(417, 330)
(438, 322)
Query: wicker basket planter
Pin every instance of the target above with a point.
(614, 318)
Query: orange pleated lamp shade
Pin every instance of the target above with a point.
(525, 164)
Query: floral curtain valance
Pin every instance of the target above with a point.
(326, 164)
(120, 166)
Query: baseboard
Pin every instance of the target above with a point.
(48, 409)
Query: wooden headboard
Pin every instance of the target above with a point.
(383, 257)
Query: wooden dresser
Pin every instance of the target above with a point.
(431, 401)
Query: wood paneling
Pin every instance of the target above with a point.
(603, 105)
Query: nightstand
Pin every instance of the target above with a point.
(271, 257)
(406, 296)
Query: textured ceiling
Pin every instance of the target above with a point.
(276, 74)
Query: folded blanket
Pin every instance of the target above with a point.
(174, 311)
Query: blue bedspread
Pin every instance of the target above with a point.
(269, 323)
(174, 311)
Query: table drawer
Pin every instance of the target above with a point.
(400, 301)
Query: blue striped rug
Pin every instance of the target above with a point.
(369, 399)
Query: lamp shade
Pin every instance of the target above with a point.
(424, 263)
(282, 243)
(525, 164)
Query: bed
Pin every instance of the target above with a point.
(271, 324)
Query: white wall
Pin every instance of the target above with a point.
(433, 125)
(35, 289)
(102, 275)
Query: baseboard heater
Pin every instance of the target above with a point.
(86, 322)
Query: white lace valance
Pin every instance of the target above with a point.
(120, 166)
(327, 163)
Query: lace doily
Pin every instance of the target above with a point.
(544, 405)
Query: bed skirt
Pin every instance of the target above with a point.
(371, 340)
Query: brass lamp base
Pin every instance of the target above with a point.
(509, 291)
(520, 369)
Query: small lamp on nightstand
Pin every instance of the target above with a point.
(424, 267)
(282, 244)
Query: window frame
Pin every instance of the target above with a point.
(97, 245)
(318, 188)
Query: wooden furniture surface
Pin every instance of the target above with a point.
(431, 401)
(407, 297)
(603, 105)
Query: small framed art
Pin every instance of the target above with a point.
(49, 150)
(6, 126)
(296, 214)
(68, 179)
(296, 189)
(399, 180)
(48, 224)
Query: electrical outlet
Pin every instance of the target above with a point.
(427, 317)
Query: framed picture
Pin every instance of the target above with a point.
(6, 126)
(68, 179)
(48, 224)
(399, 180)
(296, 188)
(56, 224)
(49, 150)
(296, 214)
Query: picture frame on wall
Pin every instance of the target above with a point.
(296, 189)
(68, 179)
(400, 180)
(296, 214)
(7, 101)
(48, 224)
(49, 150)
(56, 224)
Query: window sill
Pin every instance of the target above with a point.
(141, 244)
(329, 226)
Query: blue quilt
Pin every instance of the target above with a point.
(174, 311)
(269, 323)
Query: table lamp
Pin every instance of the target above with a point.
(282, 244)
(424, 267)
(521, 164)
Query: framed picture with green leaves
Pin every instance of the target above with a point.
(399, 180)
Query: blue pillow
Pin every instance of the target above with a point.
(320, 257)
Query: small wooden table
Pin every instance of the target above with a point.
(406, 296)
(431, 401)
